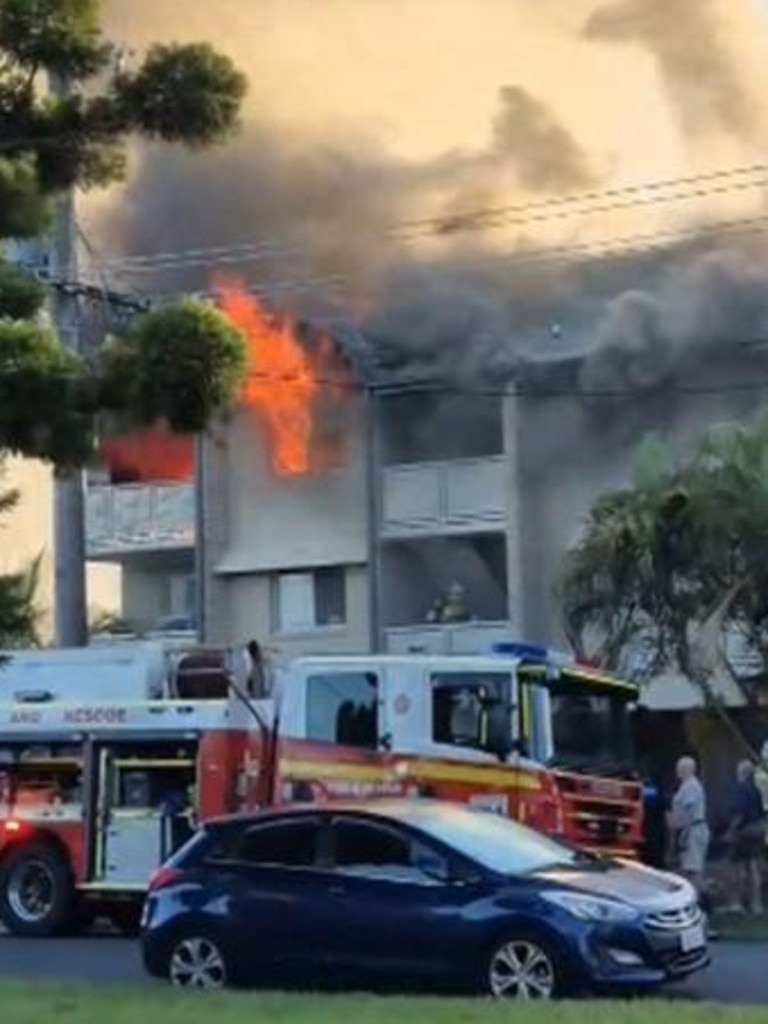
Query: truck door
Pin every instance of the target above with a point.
(444, 719)
(144, 804)
(333, 735)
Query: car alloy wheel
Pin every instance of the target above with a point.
(198, 963)
(522, 969)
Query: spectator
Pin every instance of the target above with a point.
(687, 822)
(747, 842)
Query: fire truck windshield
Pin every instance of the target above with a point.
(591, 728)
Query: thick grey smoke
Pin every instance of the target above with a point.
(713, 303)
(325, 207)
(546, 156)
(701, 73)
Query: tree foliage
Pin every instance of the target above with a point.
(52, 404)
(670, 571)
(18, 611)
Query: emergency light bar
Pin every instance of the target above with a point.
(533, 654)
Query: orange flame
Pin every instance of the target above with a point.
(286, 384)
(154, 454)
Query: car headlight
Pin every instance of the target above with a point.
(591, 908)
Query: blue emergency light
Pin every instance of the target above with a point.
(533, 654)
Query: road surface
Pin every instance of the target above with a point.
(738, 973)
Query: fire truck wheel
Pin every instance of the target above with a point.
(524, 967)
(197, 961)
(36, 891)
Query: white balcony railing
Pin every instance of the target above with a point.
(462, 638)
(139, 517)
(450, 497)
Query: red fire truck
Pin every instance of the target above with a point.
(108, 756)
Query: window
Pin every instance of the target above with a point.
(342, 707)
(494, 842)
(183, 589)
(289, 844)
(460, 706)
(363, 848)
(309, 600)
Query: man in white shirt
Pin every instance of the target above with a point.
(688, 823)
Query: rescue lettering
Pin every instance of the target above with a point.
(96, 716)
(25, 718)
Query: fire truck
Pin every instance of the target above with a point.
(109, 756)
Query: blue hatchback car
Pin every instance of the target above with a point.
(417, 894)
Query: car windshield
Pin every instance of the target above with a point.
(494, 842)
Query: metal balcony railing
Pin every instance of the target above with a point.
(127, 518)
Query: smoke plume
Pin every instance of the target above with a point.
(500, 103)
(700, 70)
(545, 154)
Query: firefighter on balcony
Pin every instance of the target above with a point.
(455, 608)
(450, 608)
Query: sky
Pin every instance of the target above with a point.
(401, 102)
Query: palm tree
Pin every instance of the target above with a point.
(670, 568)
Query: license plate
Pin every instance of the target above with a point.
(692, 939)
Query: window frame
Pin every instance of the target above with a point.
(229, 857)
(280, 628)
(377, 707)
(443, 680)
(401, 832)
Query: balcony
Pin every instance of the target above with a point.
(448, 497)
(462, 638)
(139, 518)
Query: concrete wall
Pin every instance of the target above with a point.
(247, 614)
(146, 594)
(257, 522)
(283, 522)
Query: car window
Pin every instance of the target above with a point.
(284, 844)
(493, 841)
(368, 850)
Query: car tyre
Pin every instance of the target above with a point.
(197, 960)
(524, 967)
(37, 892)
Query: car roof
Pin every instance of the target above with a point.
(384, 807)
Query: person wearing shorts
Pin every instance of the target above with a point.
(747, 842)
(688, 824)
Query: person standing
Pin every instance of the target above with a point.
(687, 821)
(747, 842)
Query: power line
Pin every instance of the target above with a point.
(536, 211)
(541, 257)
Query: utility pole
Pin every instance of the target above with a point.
(69, 486)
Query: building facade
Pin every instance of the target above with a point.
(147, 532)
(484, 491)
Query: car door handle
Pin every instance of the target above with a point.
(337, 891)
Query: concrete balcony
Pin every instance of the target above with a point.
(456, 496)
(129, 519)
(462, 638)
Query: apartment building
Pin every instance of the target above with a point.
(484, 489)
(141, 513)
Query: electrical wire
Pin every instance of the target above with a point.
(536, 211)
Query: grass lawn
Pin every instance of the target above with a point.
(20, 1004)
